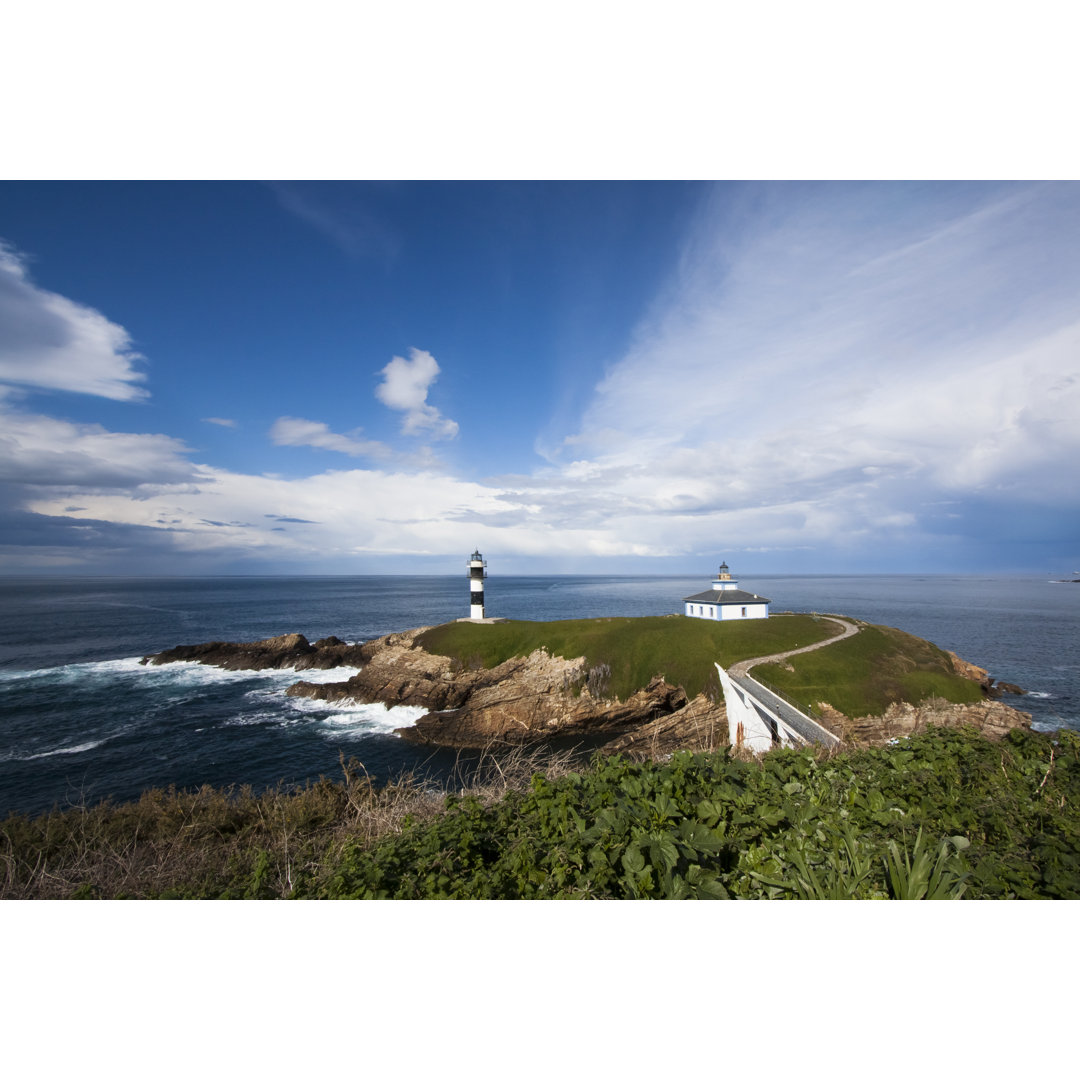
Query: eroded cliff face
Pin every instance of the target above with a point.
(523, 699)
(699, 726)
(993, 718)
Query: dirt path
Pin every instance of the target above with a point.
(846, 630)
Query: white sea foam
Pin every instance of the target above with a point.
(93, 745)
(68, 672)
(262, 718)
(187, 671)
(375, 717)
(192, 673)
(324, 675)
(271, 708)
(1038, 694)
(353, 717)
(181, 671)
(196, 672)
(78, 749)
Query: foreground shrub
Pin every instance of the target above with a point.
(946, 813)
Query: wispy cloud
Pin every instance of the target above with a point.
(405, 388)
(341, 213)
(50, 342)
(295, 431)
(845, 357)
(221, 421)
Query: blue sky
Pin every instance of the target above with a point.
(302, 377)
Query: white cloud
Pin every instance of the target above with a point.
(221, 421)
(838, 362)
(46, 452)
(50, 342)
(295, 431)
(349, 514)
(405, 388)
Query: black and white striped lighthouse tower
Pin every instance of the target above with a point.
(477, 573)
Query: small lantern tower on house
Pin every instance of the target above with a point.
(477, 573)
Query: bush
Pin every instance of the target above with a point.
(942, 814)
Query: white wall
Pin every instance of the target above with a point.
(757, 735)
(753, 611)
(727, 611)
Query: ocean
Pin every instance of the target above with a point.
(81, 720)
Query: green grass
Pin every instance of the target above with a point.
(683, 650)
(864, 674)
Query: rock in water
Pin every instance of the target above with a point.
(285, 651)
(991, 688)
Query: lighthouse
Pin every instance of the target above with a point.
(477, 573)
(725, 600)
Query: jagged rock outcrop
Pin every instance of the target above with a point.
(997, 688)
(991, 688)
(285, 651)
(525, 698)
(699, 726)
(992, 718)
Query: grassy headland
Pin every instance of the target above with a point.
(683, 650)
(864, 674)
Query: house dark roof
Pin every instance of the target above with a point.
(725, 596)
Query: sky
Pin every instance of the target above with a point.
(572, 377)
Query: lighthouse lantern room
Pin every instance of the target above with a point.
(477, 573)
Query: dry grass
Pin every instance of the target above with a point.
(235, 843)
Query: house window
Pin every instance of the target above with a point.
(744, 613)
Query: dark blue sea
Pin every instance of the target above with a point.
(82, 720)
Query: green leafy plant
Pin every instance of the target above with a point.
(921, 876)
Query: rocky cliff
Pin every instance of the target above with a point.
(991, 688)
(524, 699)
(993, 718)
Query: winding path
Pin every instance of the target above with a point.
(794, 719)
(847, 629)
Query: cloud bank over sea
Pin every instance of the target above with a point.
(820, 376)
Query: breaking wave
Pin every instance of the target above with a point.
(189, 672)
(79, 749)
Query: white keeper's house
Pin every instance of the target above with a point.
(725, 600)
